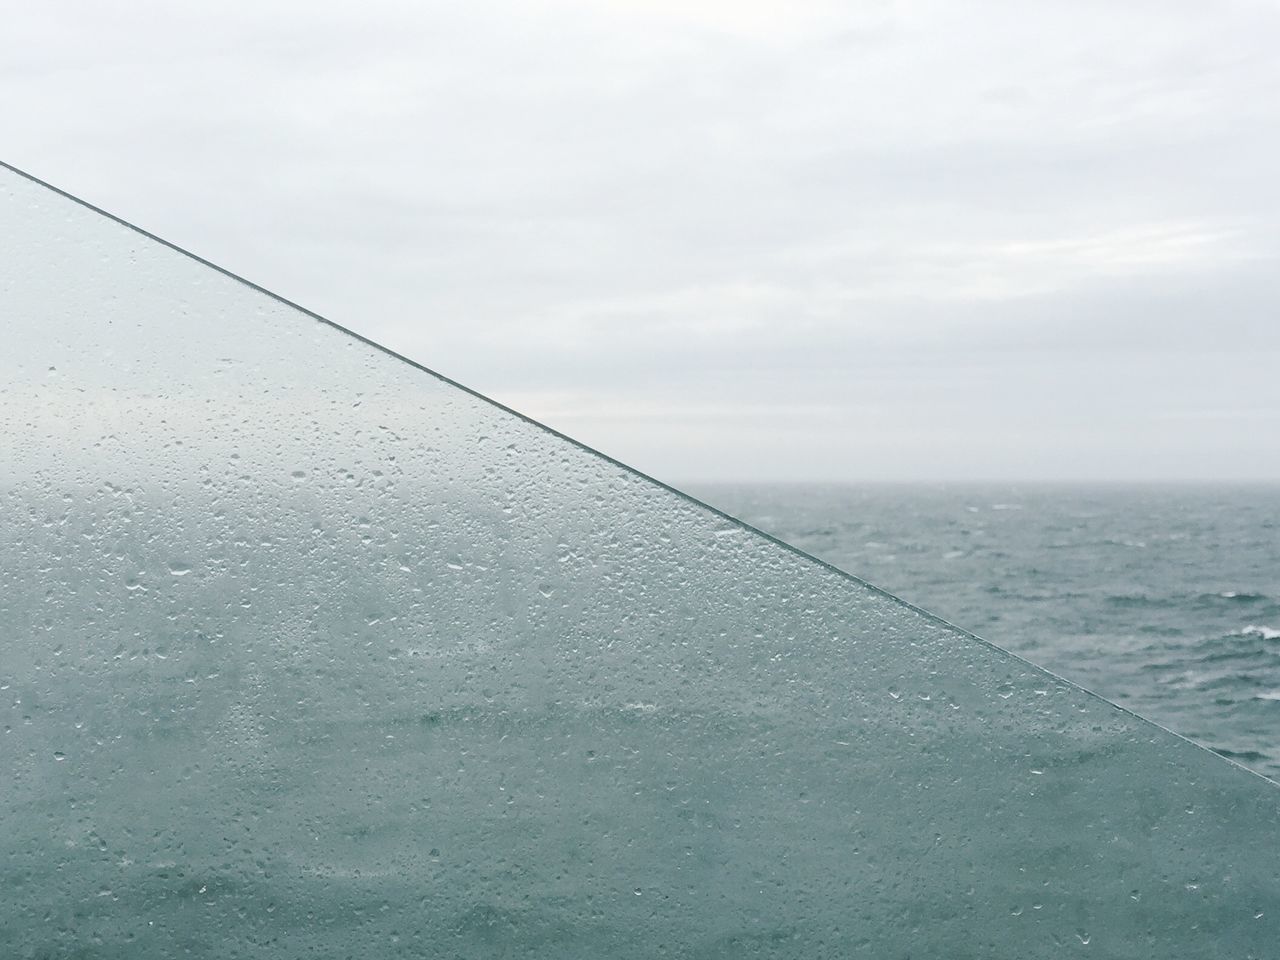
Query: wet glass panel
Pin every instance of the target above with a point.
(308, 652)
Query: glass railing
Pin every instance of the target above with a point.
(310, 652)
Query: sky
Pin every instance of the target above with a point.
(937, 241)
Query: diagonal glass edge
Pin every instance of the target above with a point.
(688, 498)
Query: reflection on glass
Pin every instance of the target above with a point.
(311, 653)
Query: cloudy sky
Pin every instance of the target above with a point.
(747, 240)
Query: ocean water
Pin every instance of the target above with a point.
(290, 724)
(1164, 598)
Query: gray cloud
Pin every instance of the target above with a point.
(729, 239)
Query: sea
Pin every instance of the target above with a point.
(1162, 598)
(335, 719)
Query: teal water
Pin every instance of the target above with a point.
(1164, 598)
(217, 765)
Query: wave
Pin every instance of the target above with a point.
(1234, 683)
(1233, 598)
(1251, 643)
(1266, 633)
(1241, 643)
(1240, 756)
(1033, 595)
(1142, 600)
(1258, 604)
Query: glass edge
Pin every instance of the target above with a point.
(688, 498)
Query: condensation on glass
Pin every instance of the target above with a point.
(308, 652)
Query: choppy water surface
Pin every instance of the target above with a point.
(1164, 599)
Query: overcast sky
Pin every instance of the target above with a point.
(734, 240)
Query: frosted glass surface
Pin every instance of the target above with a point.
(308, 652)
